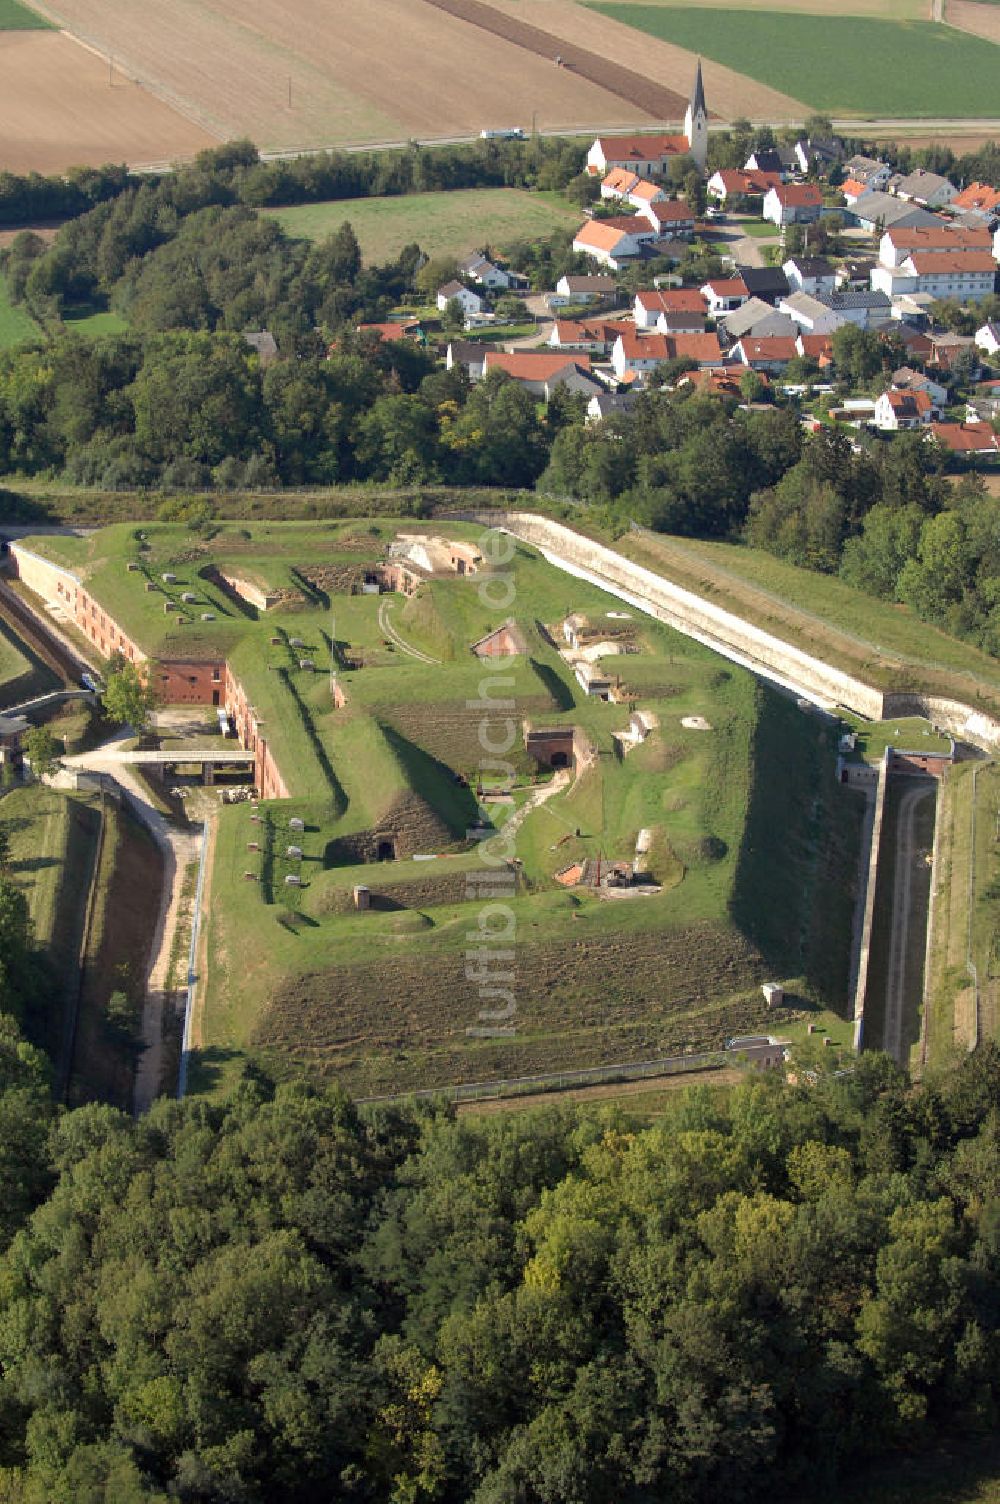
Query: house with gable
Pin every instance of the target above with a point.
(793, 204)
(650, 156)
(922, 187)
(650, 304)
(895, 411)
(456, 292)
(987, 338)
(810, 274)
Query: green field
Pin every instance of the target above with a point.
(15, 17)
(13, 664)
(844, 65)
(92, 322)
(440, 223)
(15, 324)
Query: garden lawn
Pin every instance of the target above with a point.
(843, 65)
(441, 223)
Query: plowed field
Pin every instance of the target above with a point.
(58, 110)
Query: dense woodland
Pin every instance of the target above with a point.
(279, 1295)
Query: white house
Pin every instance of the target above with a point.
(966, 276)
(540, 373)
(584, 289)
(649, 156)
(868, 171)
(723, 294)
(900, 241)
(731, 182)
(923, 187)
(614, 242)
(898, 410)
(454, 292)
(793, 204)
(481, 270)
(906, 379)
(810, 274)
(648, 305)
(987, 338)
(643, 353)
(810, 314)
(672, 219)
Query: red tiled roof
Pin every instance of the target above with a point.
(769, 347)
(851, 188)
(673, 300)
(961, 261)
(644, 189)
(391, 331)
(582, 331)
(748, 183)
(906, 403)
(798, 195)
(728, 287)
(602, 234)
(672, 211)
(531, 365)
(965, 438)
(816, 346)
(637, 346)
(977, 196)
(642, 148)
(620, 180)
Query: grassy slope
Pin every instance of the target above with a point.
(884, 644)
(13, 664)
(16, 17)
(16, 325)
(855, 65)
(441, 223)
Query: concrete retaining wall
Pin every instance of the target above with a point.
(732, 637)
(874, 854)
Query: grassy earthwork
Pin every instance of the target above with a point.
(837, 63)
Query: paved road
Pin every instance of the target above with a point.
(910, 856)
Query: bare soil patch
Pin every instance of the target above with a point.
(57, 110)
(729, 95)
(981, 20)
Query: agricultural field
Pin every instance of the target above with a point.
(441, 223)
(380, 999)
(936, 71)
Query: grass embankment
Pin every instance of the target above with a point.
(441, 223)
(936, 71)
(16, 17)
(885, 645)
(53, 839)
(952, 1015)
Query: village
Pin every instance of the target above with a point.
(812, 241)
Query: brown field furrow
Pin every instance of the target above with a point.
(647, 94)
(981, 20)
(729, 95)
(381, 71)
(58, 110)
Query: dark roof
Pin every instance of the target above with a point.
(764, 281)
(838, 301)
(813, 266)
(698, 93)
(615, 402)
(769, 159)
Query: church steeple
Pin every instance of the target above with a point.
(696, 121)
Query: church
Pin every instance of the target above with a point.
(650, 156)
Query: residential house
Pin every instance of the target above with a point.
(970, 441)
(648, 305)
(393, 331)
(609, 404)
(485, 273)
(456, 292)
(614, 242)
(634, 190)
(723, 294)
(818, 153)
(783, 161)
(817, 347)
(977, 198)
(906, 379)
(855, 272)
(898, 410)
(922, 187)
(766, 282)
(853, 191)
(770, 353)
(672, 219)
(757, 318)
(812, 315)
(719, 381)
(589, 288)
(673, 321)
(793, 204)
(810, 274)
(729, 183)
(540, 373)
(637, 354)
(469, 354)
(900, 241)
(594, 336)
(987, 338)
(967, 276)
(869, 171)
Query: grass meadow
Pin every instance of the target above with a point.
(16, 325)
(845, 65)
(440, 223)
(16, 17)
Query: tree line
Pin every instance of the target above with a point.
(280, 1295)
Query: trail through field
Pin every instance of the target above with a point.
(179, 849)
(649, 1085)
(902, 984)
(404, 646)
(560, 782)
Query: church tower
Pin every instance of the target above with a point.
(696, 122)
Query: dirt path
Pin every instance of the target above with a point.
(401, 643)
(196, 1037)
(900, 980)
(179, 848)
(724, 1076)
(537, 797)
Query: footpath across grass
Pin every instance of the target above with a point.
(843, 65)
